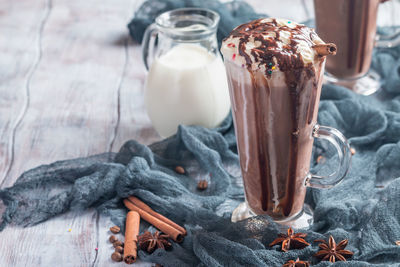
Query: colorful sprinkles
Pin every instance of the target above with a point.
(231, 45)
(233, 56)
(270, 67)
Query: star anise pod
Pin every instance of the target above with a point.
(332, 252)
(150, 242)
(297, 263)
(291, 240)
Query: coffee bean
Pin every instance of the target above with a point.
(202, 185)
(119, 249)
(112, 239)
(118, 244)
(180, 170)
(115, 229)
(116, 256)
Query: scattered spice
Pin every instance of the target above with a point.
(332, 252)
(320, 158)
(174, 231)
(397, 242)
(202, 185)
(150, 242)
(140, 204)
(297, 263)
(118, 244)
(291, 240)
(352, 150)
(131, 233)
(115, 229)
(119, 249)
(180, 170)
(116, 256)
(325, 49)
(112, 239)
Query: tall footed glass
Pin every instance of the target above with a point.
(275, 94)
(352, 26)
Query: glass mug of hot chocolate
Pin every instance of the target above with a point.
(351, 25)
(275, 69)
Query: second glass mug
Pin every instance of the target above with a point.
(351, 25)
(275, 160)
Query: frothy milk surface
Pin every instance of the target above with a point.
(187, 85)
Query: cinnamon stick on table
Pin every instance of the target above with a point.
(174, 233)
(131, 234)
(325, 49)
(145, 207)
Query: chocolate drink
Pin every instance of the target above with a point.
(351, 25)
(274, 77)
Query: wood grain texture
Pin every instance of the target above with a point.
(287, 9)
(21, 24)
(65, 105)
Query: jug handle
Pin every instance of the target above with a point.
(148, 44)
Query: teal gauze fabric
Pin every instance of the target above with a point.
(364, 208)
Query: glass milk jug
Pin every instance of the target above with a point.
(186, 83)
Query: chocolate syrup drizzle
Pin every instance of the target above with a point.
(287, 56)
(290, 62)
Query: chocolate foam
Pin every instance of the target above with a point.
(273, 44)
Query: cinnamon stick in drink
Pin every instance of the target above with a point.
(174, 233)
(131, 234)
(145, 207)
(325, 49)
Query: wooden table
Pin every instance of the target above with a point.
(71, 85)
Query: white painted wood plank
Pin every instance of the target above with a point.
(20, 23)
(288, 9)
(389, 13)
(72, 112)
(134, 121)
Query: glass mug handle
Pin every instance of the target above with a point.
(148, 44)
(342, 146)
(388, 41)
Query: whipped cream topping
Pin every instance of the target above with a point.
(272, 44)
